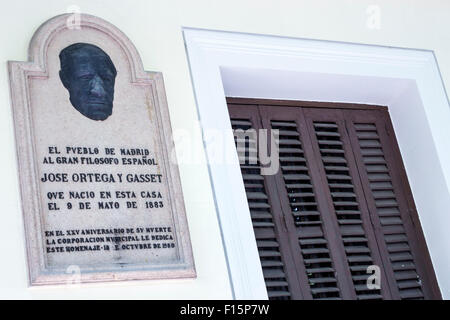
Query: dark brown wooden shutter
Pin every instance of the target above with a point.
(303, 207)
(387, 192)
(305, 213)
(331, 145)
(339, 204)
(276, 261)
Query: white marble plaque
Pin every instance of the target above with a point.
(100, 188)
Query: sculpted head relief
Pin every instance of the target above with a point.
(89, 74)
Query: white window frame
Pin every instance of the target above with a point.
(256, 66)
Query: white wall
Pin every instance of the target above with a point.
(155, 29)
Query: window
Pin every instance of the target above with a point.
(338, 209)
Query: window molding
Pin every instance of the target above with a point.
(313, 104)
(245, 65)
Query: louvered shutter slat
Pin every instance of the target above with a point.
(278, 294)
(276, 284)
(317, 260)
(267, 244)
(319, 270)
(270, 264)
(369, 297)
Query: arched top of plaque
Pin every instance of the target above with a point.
(89, 120)
(76, 23)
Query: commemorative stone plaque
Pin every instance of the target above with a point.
(100, 188)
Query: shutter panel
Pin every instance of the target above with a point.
(361, 249)
(388, 211)
(304, 210)
(313, 240)
(279, 273)
(386, 195)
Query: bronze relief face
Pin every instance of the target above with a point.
(89, 74)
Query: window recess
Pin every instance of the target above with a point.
(339, 204)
